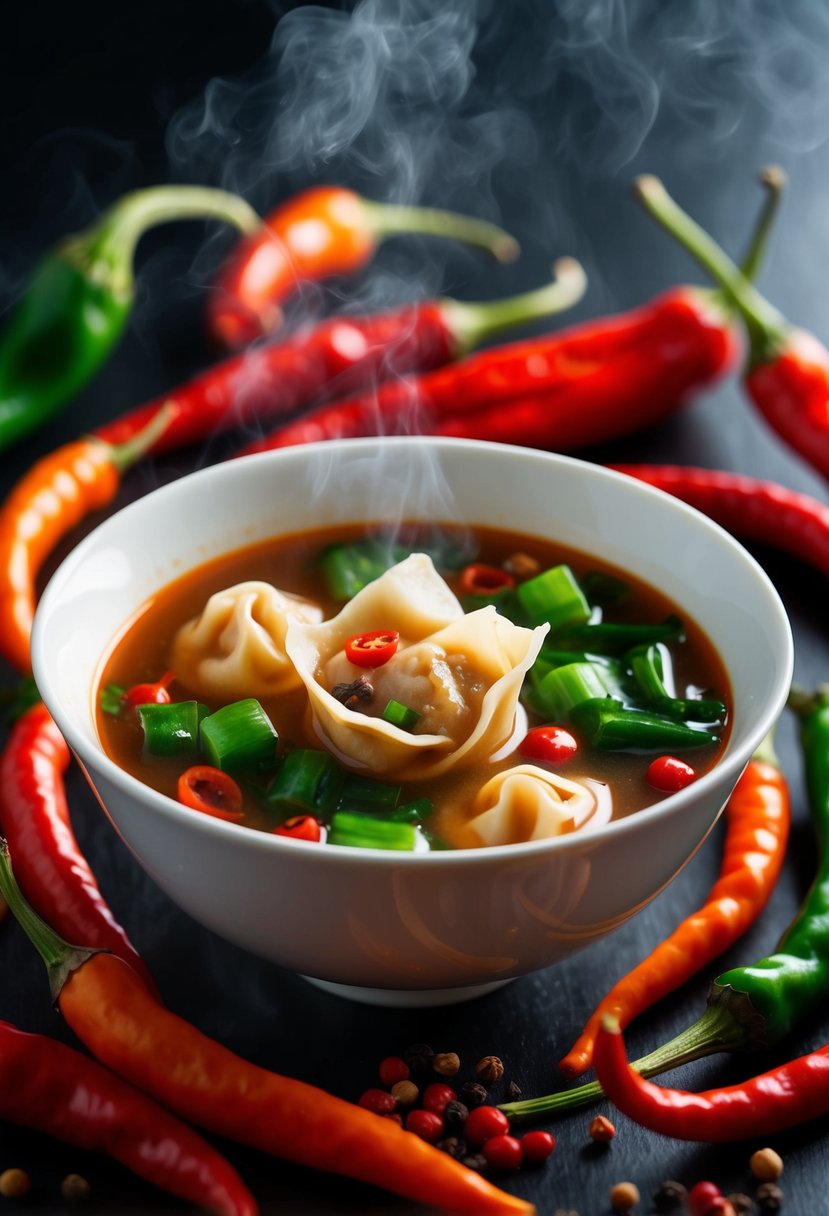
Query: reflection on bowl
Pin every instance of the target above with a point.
(391, 927)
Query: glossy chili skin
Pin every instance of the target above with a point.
(319, 232)
(781, 1098)
(49, 1087)
(583, 385)
(790, 388)
(758, 817)
(751, 509)
(80, 297)
(34, 817)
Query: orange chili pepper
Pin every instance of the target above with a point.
(113, 1013)
(47, 502)
(320, 232)
(758, 819)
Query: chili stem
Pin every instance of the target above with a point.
(386, 219)
(472, 324)
(774, 180)
(104, 251)
(714, 1031)
(768, 329)
(60, 958)
(123, 455)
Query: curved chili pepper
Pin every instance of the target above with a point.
(47, 502)
(748, 508)
(755, 1006)
(590, 383)
(787, 376)
(320, 232)
(80, 296)
(35, 820)
(758, 818)
(344, 354)
(49, 1087)
(784, 1097)
(113, 1013)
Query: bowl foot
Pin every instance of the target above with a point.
(405, 998)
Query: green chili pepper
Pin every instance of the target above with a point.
(80, 297)
(612, 726)
(755, 1006)
(646, 665)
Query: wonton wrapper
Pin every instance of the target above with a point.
(412, 598)
(526, 803)
(236, 647)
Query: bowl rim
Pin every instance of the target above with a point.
(730, 764)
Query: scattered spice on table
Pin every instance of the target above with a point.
(14, 1182)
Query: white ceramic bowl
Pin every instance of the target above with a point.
(390, 927)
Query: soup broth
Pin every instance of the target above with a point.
(441, 800)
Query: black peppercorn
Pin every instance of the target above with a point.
(473, 1094)
(419, 1057)
(455, 1115)
(769, 1198)
(513, 1091)
(743, 1205)
(476, 1162)
(669, 1195)
(452, 1145)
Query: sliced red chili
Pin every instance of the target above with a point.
(149, 694)
(300, 827)
(480, 579)
(372, 649)
(552, 744)
(209, 790)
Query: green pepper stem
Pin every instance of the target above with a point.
(767, 328)
(104, 251)
(766, 752)
(472, 324)
(716, 1030)
(60, 958)
(773, 179)
(386, 219)
(124, 455)
(804, 703)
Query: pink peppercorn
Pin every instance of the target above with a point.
(436, 1097)
(483, 1123)
(392, 1070)
(701, 1196)
(426, 1124)
(377, 1100)
(503, 1152)
(537, 1146)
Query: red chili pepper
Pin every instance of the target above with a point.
(758, 819)
(321, 232)
(581, 386)
(35, 820)
(301, 827)
(112, 1012)
(209, 790)
(785, 1097)
(149, 694)
(342, 355)
(372, 649)
(49, 1087)
(480, 579)
(787, 376)
(47, 502)
(750, 509)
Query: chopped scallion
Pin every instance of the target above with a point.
(554, 596)
(111, 699)
(366, 794)
(413, 812)
(647, 667)
(401, 715)
(371, 832)
(612, 726)
(611, 638)
(172, 729)
(555, 695)
(239, 736)
(308, 781)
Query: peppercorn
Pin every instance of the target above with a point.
(419, 1057)
(437, 1097)
(476, 1162)
(452, 1145)
(392, 1070)
(522, 565)
(769, 1198)
(537, 1146)
(720, 1207)
(601, 1129)
(503, 1152)
(669, 1195)
(513, 1091)
(405, 1093)
(446, 1063)
(489, 1070)
(455, 1114)
(624, 1196)
(14, 1184)
(426, 1124)
(74, 1188)
(472, 1094)
(766, 1165)
(378, 1101)
(743, 1205)
(701, 1196)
